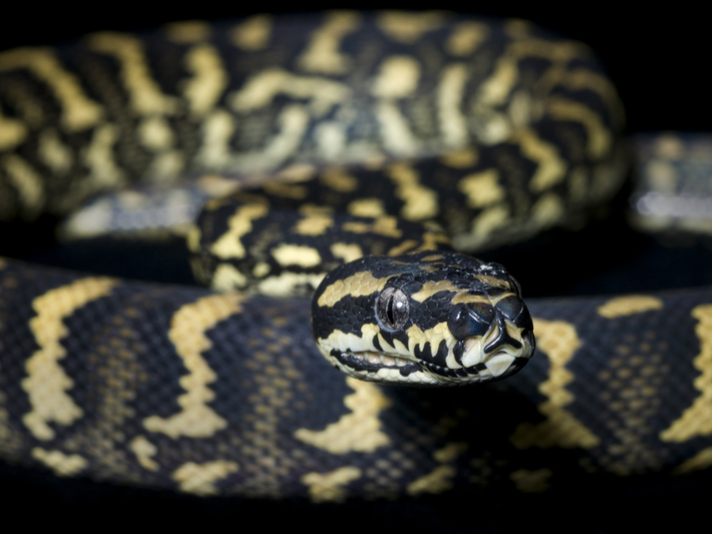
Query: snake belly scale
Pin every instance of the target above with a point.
(489, 130)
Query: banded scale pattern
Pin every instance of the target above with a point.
(216, 394)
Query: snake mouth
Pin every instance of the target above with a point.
(372, 362)
(366, 363)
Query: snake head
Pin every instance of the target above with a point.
(432, 318)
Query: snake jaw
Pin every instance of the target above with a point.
(375, 367)
(369, 358)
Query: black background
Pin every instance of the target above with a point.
(659, 60)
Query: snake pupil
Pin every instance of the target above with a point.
(392, 308)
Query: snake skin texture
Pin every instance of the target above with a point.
(225, 394)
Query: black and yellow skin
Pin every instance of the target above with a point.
(422, 319)
(226, 394)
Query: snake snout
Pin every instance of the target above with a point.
(498, 337)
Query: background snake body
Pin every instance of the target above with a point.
(493, 131)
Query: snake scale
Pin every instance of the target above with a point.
(494, 130)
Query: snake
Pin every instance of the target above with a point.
(479, 132)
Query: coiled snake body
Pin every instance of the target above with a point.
(491, 130)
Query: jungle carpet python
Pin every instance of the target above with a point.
(491, 130)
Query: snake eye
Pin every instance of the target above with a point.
(474, 320)
(392, 308)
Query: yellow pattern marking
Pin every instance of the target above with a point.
(46, 383)
(397, 78)
(346, 252)
(629, 305)
(431, 288)
(701, 460)
(598, 136)
(155, 133)
(287, 283)
(547, 210)
(209, 79)
(144, 450)
(188, 334)
(145, 94)
(293, 122)
(261, 270)
(357, 285)
(260, 91)
(217, 129)
(697, 419)
(313, 224)
(252, 34)
(466, 38)
(329, 487)
(586, 79)
(358, 431)
(551, 170)
(53, 153)
(99, 157)
(366, 207)
(322, 54)
(78, 111)
(229, 245)
(560, 429)
(200, 479)
(437, 481)
(529, 481)
(433, 336)
(187, 32)
(227, 278)
(420, 202)
(482, 188)
(387, 226)
(300, 172)
(563, 51)
(483, 226)
(338, 180)
(450, 452)
(28, 183)
(408, 27)
(395, 131)
(466, 296)
(63, 465)
(453, 123)
(461, 159)
(495, 90)
(277, 189)
(495, 282)
(360, 342)
(405, 246)
(300, 255)
(331, 139)
(12, 132)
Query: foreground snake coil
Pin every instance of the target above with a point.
(491, 130)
